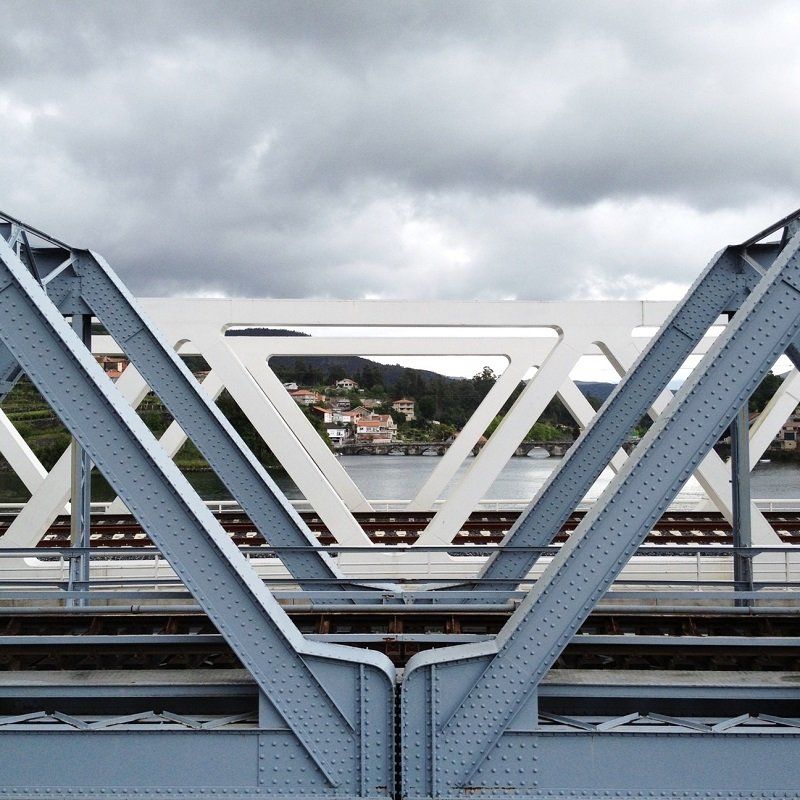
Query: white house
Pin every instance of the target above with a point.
(327, 414)
(337, 433)
(348, 384)
(405, 406)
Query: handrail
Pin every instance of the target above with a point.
(396, 504)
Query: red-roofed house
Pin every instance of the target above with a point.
(306, 397)
(377, 429)
(355, 414)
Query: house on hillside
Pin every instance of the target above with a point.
(788, 437)
(355, 414)
(305, 397)
(376, 429)
(338, 434)
(371, 403)
(347, 385)
(326, 414)
(407, 407)
(291, 386)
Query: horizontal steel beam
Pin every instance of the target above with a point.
(627, 641)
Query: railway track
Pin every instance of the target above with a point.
(119, 639)
(403, 528)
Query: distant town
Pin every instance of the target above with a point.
(372, 421)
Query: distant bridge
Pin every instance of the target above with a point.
(553, 449)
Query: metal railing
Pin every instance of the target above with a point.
(393, 504)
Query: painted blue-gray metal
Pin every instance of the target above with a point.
(81, 487)
(740, 488)
(10, 371)
(193, 688)
(463, 708)
(90, 281)
(722, 284)
(567, 762)
(332, 706)
(202, 421)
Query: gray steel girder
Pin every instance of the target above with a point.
(722, 286)
(313, 693)
(562, 765)
(91, 286)
(204, 424)
(460, 705)
(61, 293)
(10, 372)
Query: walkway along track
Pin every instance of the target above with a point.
(106, 639)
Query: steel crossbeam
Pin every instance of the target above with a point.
(459, 706)
(720, 288)
(90, 286)
(61, 293)
(301, 682)
(202, 421)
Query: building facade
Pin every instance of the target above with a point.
(407, 407)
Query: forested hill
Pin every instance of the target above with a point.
(316, 370)
(596, 390)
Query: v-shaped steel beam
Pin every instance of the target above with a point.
(295, 684)
(483, 689)
(84, 277)
(721, 288)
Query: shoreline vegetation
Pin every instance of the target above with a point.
(444, 404)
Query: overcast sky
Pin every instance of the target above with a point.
(479, 150)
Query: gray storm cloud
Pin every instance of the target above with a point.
(420, 150)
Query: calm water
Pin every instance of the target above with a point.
(399, 477)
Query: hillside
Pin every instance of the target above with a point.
(322, 370)
(324, 367)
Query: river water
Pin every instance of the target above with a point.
(399, 478)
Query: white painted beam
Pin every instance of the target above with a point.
(503, 442)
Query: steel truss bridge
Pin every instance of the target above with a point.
(159, 648)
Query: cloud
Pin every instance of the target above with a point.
(453, 150)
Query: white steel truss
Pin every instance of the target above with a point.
(514, 331)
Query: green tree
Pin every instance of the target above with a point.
(761, 396)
